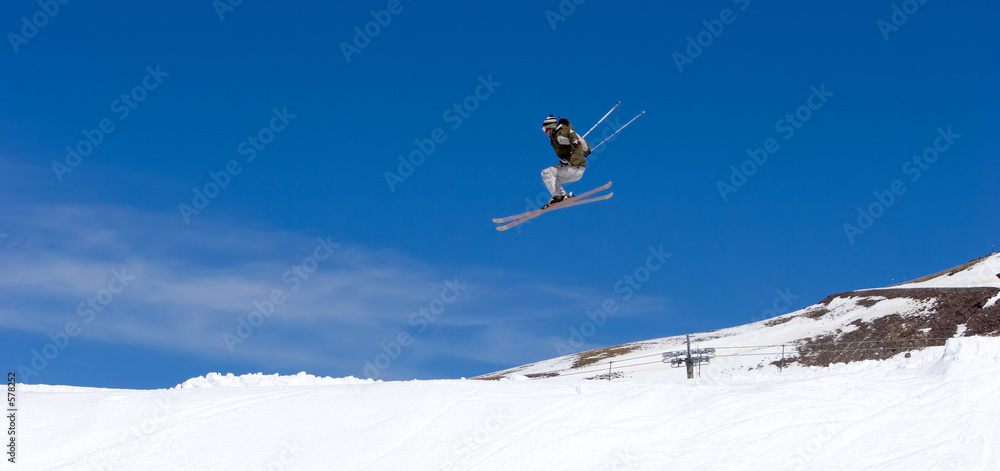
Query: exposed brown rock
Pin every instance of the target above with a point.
(897, 333)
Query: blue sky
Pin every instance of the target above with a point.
(189, 187)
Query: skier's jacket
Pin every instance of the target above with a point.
(569, 146)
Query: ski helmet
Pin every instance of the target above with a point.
(549, 123)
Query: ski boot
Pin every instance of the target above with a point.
(557, 199)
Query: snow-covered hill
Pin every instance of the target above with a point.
(930, 408)
(936, 410)
(858, 325)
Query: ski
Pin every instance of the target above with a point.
(539, 211)
(533, 214)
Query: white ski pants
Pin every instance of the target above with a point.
(556, 175)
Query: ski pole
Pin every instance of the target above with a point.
(616, 132)
(602, 119)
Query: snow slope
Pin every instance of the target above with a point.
(870, 323)
(934, 411)
(977, 273)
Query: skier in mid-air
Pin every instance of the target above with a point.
(572, 151)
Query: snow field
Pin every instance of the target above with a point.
(742, 348)
(936, 410)
(985, 272)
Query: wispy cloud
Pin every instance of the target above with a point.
(132, 278)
